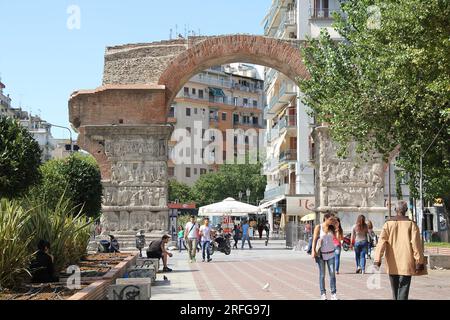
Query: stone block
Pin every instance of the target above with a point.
(142, 273)
(137, 281)
(129, 292)
(147, 262)
(438, 261)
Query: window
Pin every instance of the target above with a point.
(171, 171)
(255, 120)
(172, 111)
(188, 152)
(235, 118)
(245, 102)
(188, 172)
(255, 103)
(186, 91)
(188, 129)
(195, 171)
(203, 153)
(188, 112)
(235, 101)
(203, 133)
(195, 111)
(202, 171)
(194, 91)
(200, 94)
(224, 116)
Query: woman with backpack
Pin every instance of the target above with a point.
(323, 253)
(360, 233)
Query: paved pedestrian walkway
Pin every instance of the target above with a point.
(274, 272)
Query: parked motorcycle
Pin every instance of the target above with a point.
(346, 242)
(221, 243)
(106, 246)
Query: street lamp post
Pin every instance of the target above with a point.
(240, 195)
(248, 195)
(70, 134)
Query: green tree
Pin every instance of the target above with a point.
(20, 157)
(77, 178)
(180, 192)
(228, 181)
(387, 83)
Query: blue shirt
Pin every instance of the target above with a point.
(245, 229)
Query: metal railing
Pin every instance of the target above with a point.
(288, 18)
(271, 15)
(326, 13)
(288, 155)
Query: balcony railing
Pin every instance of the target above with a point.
(322, 13)
(288, 155)
(288, 122)
(272, 12)
(289, 18)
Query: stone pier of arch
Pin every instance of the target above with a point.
(123, 123)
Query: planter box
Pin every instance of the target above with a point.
(439, 261)
(99, 289)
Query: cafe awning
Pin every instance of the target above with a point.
(217, 92)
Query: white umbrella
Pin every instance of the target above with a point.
(229, 206)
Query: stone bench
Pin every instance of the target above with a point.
(142, 272)
(136, 281)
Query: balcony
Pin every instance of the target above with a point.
(270, 76)
(212, 81)
(276, 192)
(270, 165)
(288, 155)
(288, 122)
(270, 17)
(326, 13)
(288, 23)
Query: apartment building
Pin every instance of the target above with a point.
(222, 97)
(289, 164)
(289, 170)
(39, 128)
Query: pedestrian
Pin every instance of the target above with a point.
(359, 236)
(401, 245)
(181, 242)
(323, 253)
(236, 235)
(267, 229)
(260, 229)
(307, 230)
(205, 233)
(246, 235)
(191, 236)
(372, 239)
(337, 240)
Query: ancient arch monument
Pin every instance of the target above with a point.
(123, 123)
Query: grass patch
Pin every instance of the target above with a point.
(438, 244)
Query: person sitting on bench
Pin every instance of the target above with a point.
(157, 250)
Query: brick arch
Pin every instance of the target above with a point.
(282, 55)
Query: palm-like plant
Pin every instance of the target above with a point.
(14, 242)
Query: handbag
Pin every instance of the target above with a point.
(318, 248)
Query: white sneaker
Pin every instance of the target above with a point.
(334, 297)
(323, 297)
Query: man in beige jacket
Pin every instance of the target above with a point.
(400, 243)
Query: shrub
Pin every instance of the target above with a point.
(14, 242)
(20, 157)
(77, 177)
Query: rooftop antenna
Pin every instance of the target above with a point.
(176, 30)
(170, 34)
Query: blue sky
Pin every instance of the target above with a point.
(42, 61)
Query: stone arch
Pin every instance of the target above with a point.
(282, 55)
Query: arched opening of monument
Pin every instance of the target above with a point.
(222, 115)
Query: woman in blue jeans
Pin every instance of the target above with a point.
(323, 238)
(337, 240)
(359, 236)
